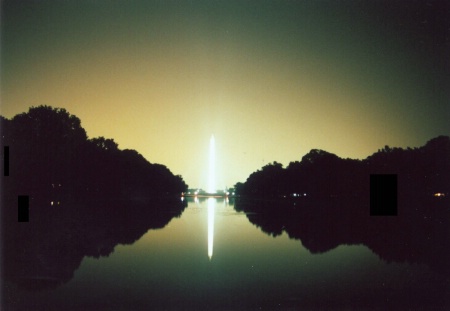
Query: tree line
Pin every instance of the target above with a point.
(52, 157)
(422, 171)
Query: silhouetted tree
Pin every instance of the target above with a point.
(53, 158)
(420, 171)
(105, 144)
(264, 182)
(86, 196)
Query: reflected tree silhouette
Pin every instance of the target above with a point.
(45, 252)
(323, 201)
(86, 196)
(420, 234)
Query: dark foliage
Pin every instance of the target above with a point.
(51, 157)
(421, 172)
(45, 252)
(86, 196)
(419, 234)
(323, 201)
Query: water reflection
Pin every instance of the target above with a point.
(168, 270)
(45, 252)
(211, 212)
(420, 234)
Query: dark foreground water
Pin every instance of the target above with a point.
(210, 255)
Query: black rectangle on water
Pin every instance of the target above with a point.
(23, 206)
(6, 160)
(383, 195)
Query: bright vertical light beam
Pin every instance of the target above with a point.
(211, 207)
(212, 177)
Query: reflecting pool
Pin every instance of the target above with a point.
(220, 254)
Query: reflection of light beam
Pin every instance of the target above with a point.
(211, 206)
(211, 181)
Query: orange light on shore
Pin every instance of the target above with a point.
(439, 194)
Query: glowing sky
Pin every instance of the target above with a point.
(270, 79)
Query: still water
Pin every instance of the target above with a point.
(214, 256)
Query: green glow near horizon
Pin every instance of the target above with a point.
(272, 79)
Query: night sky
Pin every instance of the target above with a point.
(270, 79)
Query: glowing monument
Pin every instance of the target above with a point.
(211, 207)
(212, 177)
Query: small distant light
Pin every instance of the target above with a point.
(233, 193)
(304, 194)
(439, 194)
(51, 203)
